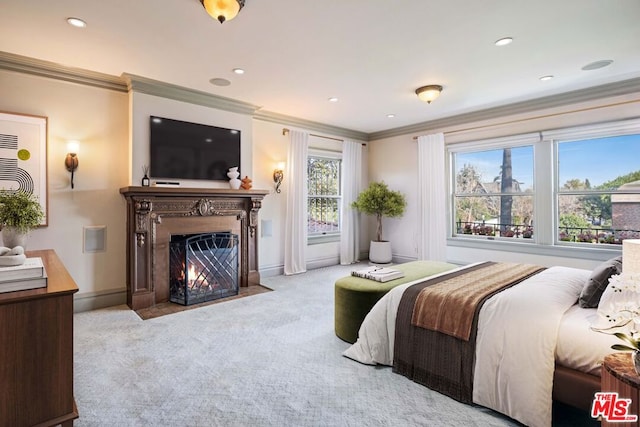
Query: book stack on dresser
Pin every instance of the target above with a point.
(29, 275)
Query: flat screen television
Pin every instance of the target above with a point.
(183, 150)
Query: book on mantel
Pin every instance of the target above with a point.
(379, 274)
(30, 275)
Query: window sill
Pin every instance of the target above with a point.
(597, 253)
(325, 238)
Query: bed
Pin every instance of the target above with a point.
(534, 344)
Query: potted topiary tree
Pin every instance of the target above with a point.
(20, 212)
(380, 201)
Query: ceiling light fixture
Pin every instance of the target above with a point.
(504, 41)
(428, 93)
(545, 78)
(238, 70)
(76, 22)
(223, 10)
(333, 99)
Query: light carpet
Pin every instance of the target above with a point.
(267, 360)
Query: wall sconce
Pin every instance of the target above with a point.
(278, 175)
(71, 161)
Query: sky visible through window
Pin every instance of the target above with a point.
(598, 160)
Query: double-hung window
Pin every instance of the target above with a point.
(575, 187)
(493, 193)
(598, 188)
(324, 198)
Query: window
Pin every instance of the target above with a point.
(570, 189)
(324, 197)
(493, 192)
(598, 189)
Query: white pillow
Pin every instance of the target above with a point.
(619, 307)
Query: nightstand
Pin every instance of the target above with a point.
(619, 375)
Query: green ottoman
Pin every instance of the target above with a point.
(355, 296)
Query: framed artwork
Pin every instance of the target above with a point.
(23, 156)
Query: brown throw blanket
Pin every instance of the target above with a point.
(443, 360)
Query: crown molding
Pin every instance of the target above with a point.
(283, 119)
(623, 87)
(129, 82)
(180, 93)
(38, 67)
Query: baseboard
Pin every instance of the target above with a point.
(270, 271)
(401, 259)
(312, 264)
(102, 299)
(322, 262)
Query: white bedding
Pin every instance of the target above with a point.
(517, 336)
(579, 347)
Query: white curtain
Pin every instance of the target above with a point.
(295, 178)
(432, 198)
(349, 217)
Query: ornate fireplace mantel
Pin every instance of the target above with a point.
(155, 213)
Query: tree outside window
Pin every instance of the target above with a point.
(598, 190)
(493, 194)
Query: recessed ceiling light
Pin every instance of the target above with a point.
(76, 22)
(219, 82)
(545, 78)
(333, 99)
(391, 116)
(238, 70)
(504, 41)
(597, 64)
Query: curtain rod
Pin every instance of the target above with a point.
(286, 131)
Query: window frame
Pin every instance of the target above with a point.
(546, 237)
(327, 237)
(525, 140)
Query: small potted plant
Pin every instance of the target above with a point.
(380, 201)
(20, 212)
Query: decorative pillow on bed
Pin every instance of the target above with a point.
(598, 281)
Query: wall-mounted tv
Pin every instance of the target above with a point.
(183, 150)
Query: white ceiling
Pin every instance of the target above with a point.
(371, 54)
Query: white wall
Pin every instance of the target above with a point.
(97, 118)
(143, 105)
(394, 160)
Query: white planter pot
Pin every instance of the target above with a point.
(11, 237)
(380, 252)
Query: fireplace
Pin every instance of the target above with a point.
(155, 214)
(203, 267)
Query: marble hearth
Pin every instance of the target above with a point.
(154, 214)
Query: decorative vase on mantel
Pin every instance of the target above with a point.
(233, 175)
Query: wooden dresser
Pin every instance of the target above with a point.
(36, 350)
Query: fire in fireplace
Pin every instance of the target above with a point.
(203, 267)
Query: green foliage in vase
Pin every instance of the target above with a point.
(20, 209)
(633, 343)
(380, 201)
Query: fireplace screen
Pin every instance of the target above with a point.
(203, 267)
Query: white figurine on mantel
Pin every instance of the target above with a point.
(12, 256)
(233, 175)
